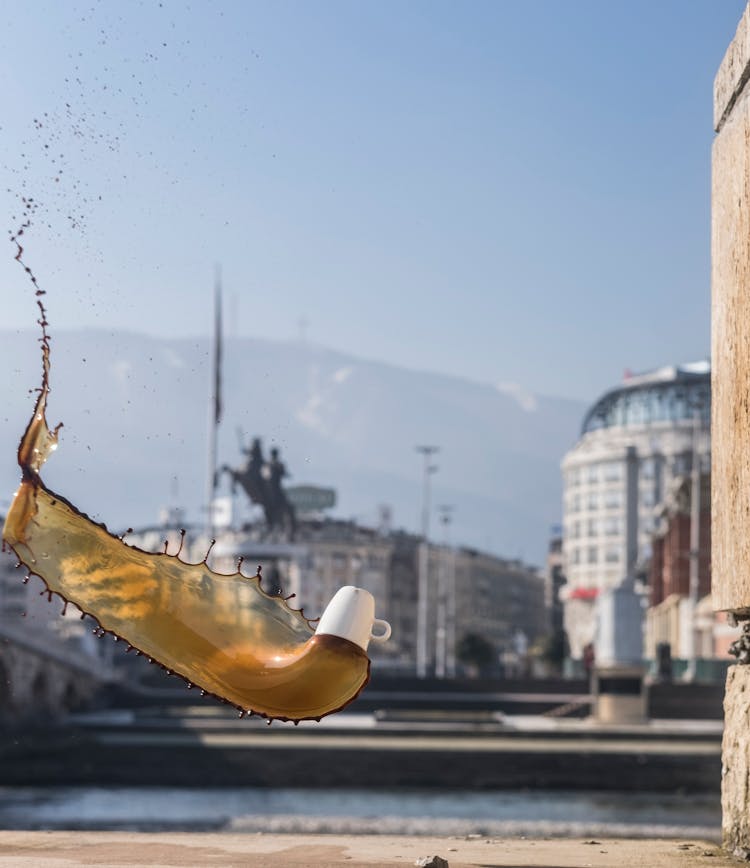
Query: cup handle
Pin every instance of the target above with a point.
(385, 626)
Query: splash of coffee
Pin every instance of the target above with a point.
(221, 633)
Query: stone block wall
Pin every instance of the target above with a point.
(730, 434)
(730, 280)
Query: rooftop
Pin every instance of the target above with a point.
(670, 394)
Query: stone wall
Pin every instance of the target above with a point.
(36, 688)
(735, 760)
(730, 282)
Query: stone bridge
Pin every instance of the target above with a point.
(42, 675)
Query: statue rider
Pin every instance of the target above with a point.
(261, 481)
(280, 506)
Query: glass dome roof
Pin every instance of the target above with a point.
(668, 395)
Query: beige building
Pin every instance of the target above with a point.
(654, 418)
(670, 621)
(673, 618)
(500, 600)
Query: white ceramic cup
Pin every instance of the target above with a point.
(351, 615)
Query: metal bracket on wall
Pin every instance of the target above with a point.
(741, 647)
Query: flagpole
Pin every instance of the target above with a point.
(215, 407)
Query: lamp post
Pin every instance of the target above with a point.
(446, 602)
(423, 562)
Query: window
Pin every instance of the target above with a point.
(612, 555)
(593, 555)
(593, 501)
(613, 471)
(613, 498)
(593, 527)
(648, 498)
(593, 473)
(612, 526)
(574, 477)
(679, 401)
(575, 503)
(648, 468)
(575, 556)
(681, 464)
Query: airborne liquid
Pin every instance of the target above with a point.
(221, 633)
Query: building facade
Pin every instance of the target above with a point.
(674, 621)
(659, 419)
(502, 601)
(669, 571)
(471, 593)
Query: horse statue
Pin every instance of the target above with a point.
(261, 482)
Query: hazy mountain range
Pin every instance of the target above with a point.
(135, 412)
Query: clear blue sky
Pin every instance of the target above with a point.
(508, 191)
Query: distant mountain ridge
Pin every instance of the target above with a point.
(135, 412)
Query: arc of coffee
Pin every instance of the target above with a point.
(221, 633)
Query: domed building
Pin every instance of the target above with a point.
(636, 440)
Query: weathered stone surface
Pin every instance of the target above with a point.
(431, 862)
(733, 72)
(735, 772)
(730, 424)
(730, 376)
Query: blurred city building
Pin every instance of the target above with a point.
(502, 601)
(492, 606)
(553, 649)
(672, 614)
(663, 418)
(554, 579)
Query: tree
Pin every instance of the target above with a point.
(552, 649)
(474, 650)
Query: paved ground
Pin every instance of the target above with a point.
(121, 849)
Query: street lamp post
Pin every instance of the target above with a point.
(423, 563)
(446, 601)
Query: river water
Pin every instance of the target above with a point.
(536, 813)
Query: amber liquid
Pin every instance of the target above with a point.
(222, 633)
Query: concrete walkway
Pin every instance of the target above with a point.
(120, 849)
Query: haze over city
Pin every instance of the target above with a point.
(512, 193)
